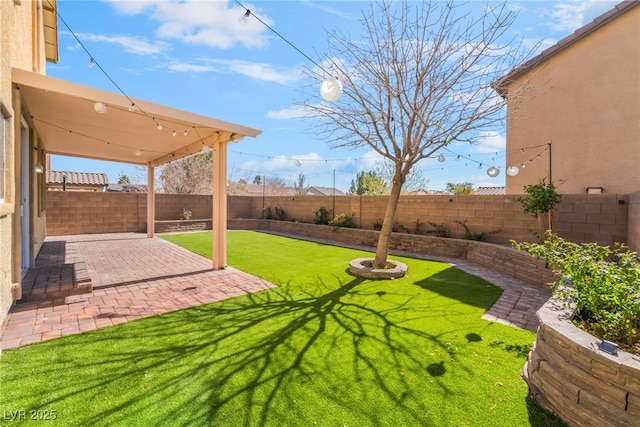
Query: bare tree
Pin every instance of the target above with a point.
(419, 79)
(414, 180)
(276, 186)
(190, 175)
(300, 185)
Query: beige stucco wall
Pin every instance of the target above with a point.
(586, 101)
(16, 50)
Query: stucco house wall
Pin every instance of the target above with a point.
(21, 46)
(583, 96)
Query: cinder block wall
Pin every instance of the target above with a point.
(633, 236)
(71, 212)
(602, 218)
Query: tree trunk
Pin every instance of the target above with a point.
(387, 224)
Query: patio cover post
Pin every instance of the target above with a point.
(151, 202)
(219, 208)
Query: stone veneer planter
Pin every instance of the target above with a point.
(569, 376)
(359, 267)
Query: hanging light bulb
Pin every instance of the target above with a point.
(137, 153)
(331, 89)
(493, 171)
(186, 132)
(100, 107)
(132, 107)
(523, 166)
(513, 170)
(92, 63)
(245, 17)
(159, 126)
(441, 158)
(480, 166)
(173, 133)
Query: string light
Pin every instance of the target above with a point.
(331, 88)
(92, 63)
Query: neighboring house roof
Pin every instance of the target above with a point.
(77, 178)
(418, 192)
(324, 191)
(490, 191)
(577, 35)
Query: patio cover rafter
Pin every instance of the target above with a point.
(63, 114)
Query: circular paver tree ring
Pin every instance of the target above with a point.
(363, 267)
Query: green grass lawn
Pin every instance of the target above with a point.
(322, 348)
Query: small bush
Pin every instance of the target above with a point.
(439, 230)
(322, 216)
(185, 215)
(418, 228)
(377, 225)
(469, 235)
(399, 228)
(602, 282)
(275, 213)
(343, 220)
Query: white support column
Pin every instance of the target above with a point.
(151, 202)
(219, 209)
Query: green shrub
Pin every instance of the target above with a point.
(439, 230)
(399, 228)
(322, 216)
(343, 220)
(469, 235)
(377, 225)
(601, 282)
(275, 213)
(185, 215)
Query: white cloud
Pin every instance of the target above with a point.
(288, 114)
(182, 67)
(216, 24)
(254, 70)
(569, 15)
(490, 142)
(129, 44)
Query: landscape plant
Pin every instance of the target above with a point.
(601, 283)
(343, 220)
(541, 200)
(480, 236)
(322, 216)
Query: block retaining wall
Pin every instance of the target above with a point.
(497, 257)
(569, 376)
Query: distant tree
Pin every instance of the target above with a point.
(415, 180)
(276, 186)
(124, 179)
(300, 186)
(368, 183)
(419, 78)
(190, 175)
(257, 180)
(460, 188)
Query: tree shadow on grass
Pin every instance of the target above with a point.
(322, 352)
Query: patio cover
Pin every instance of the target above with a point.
(67, 123)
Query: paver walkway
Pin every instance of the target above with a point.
(135, 277)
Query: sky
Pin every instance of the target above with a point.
(202, 57)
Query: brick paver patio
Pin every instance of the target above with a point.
(135, 277)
